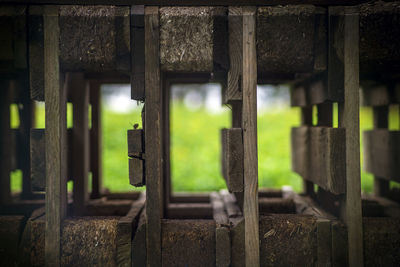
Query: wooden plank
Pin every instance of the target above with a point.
(381, 120)
(166, 88)
(235, 28)
(94, 52)
(222, 234)
(126, 230)
(139, 252)
(188, 243)
(96, 139)
(153, 137)
(135, 142)
(375, 94)
(307, 120)
(299, 95)
(189, 211)
(325, 114)
(318, 156)
(220, 40)
(232, 158)
(56, 158)
(137, 52)
(381, 153)
(5, 137)
(38, 160)
(349, 119)
(78, 87)
(298, 26)
(249, 125)
(36, 52)
(136, 172)
(324, 242)
(192, 2)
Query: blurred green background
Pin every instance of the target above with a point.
(195, 140)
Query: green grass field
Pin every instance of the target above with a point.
(195, 151)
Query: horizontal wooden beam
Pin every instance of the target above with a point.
(382, 153)
(232, 158)
(189, 211)
(189, 2)
(318, 155)
(379, 94)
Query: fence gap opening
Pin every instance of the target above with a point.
(118, 114)
(196, 119)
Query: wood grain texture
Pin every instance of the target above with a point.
(318, 155)
(135, 142)
(249, 125)
(96, 139)
(56, 158)
(153, 136)
(126, 230)
(232, 158)
(136, 172)
(78, 87)
(234, 90)
(382, 153)
(139, 252)
(349, 119)
(137, 52)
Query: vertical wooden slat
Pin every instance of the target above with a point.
(56, 158)
(167, 143)
(306, 120)
(76, 84)
(5, 139)
(349, 119)
(249, 125)
(27, 120)
(153, 137)
(233, 89)
(96, 139)
(137, 48)
(381, 116)
(325, 114)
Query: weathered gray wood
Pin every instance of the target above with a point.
(135, 142)
(153, 137)
(381, 120)
(232, 158)
(80, 51)
(222, 234)
(325, 114)
(136, 172)
(306, 120)
(381, 153)
(249, 125)
(324, 242)
(189, 211)
(126, 230)
(36, 52)
(96, 139)
(5, 137)
(166, 88)
(78, 87)
(375, 94)
(56, 158)
(191, 48)
(318, 155)
(349, 119)
(38, 160)
(298, 26)
(137, 52)
(231, 206)
(233, 90)
(139, 252)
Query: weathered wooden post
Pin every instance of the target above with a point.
(55, 96)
